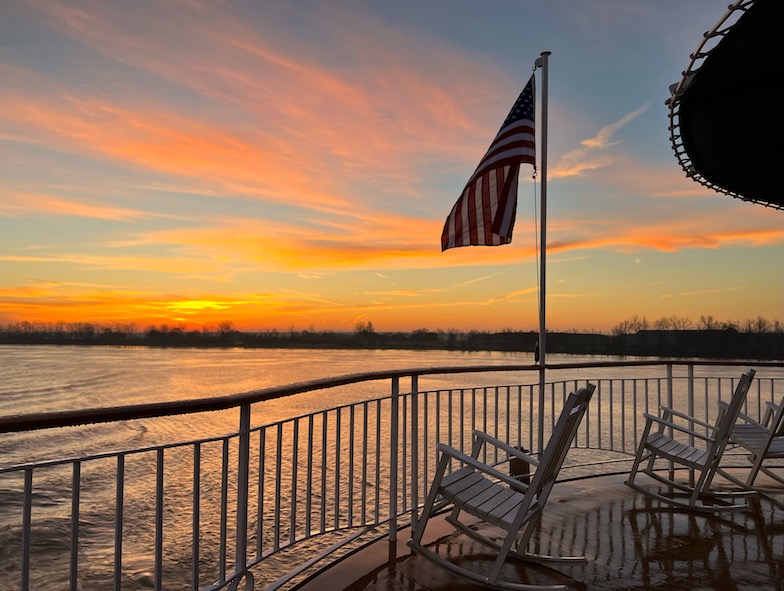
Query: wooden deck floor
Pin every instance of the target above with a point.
(631, 542)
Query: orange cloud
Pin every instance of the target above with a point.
(300, 117)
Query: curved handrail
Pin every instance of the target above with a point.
(71, 418)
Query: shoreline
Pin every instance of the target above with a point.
(704, 344)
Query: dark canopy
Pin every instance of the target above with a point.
(726, 113)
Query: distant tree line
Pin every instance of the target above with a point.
(666, 337)
(753, 325)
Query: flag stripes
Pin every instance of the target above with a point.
(484, 214)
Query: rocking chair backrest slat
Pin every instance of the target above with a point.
(562, 437)
(727, 421)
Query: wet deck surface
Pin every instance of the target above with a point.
(631, 542)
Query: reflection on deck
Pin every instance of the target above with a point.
(631, 542)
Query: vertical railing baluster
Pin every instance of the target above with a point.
(623, 414)
(443, 428)
(324, 423)
(531, 422)
(278, 484)
(484, 422)
(294, 475)
(759, 399)
(598, 396)
(473, 410)
(424, 450)
(612, 414)
(414, 448)
(393, 457)
(403, 456)
(588, 422)
(690, 397)
(551, 422)
(508, 413)
(437, 410)
(378, 463)
(338, 465)
(309, 477)
(462, 417)
(260, 518)
(670, 396)
(223, 509)
(196, 521)
(27, 516)
(158, 521)
(519, 417)
(363, 489)
(118, 522)
(76, 488)
(690, 409)
(351, 463)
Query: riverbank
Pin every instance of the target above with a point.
(718, 344)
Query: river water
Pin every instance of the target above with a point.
(50, 378)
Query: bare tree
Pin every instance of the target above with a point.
(662, 324)
(760, 324)
(681, 323)
(708, 323)
(225, 327)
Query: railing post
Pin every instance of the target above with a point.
(414, 449)
(243, 461)
(393, 458)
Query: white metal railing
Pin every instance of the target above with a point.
(238, 510)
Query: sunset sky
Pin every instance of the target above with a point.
(290, 164)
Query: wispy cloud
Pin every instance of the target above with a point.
(580, 160)
(709, 291)
(52, 205)
(514, 295)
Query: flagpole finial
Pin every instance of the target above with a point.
(539, 63)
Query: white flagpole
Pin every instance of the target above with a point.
(542, 62)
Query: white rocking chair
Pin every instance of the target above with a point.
(511, 504)
(674, 442)
(763, 441)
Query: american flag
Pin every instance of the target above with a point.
(484, 214)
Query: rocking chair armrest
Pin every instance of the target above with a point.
(772, 410)
(667, 411)
(467, 460)
(665, 423)
(512, 451)
(751, 421)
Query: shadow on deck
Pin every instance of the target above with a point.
(630, 541)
